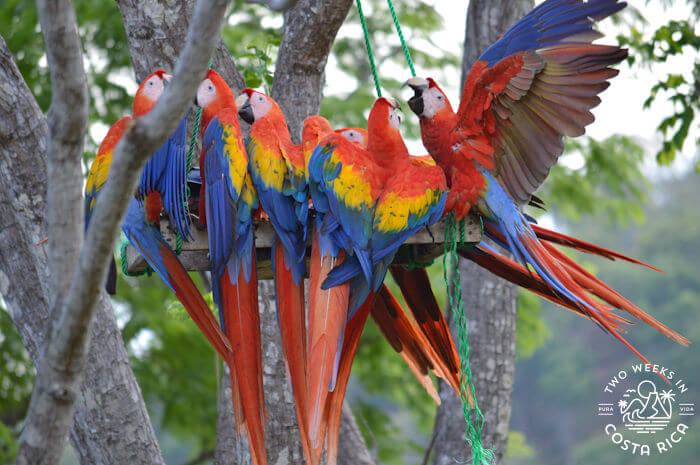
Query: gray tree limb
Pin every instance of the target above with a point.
(309, 31)
(59, 372)
(67, 118)
(490, 302)
(111, 425)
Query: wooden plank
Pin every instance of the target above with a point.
(422, 247)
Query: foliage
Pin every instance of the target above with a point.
(566, 374)
(682, 87)
(175, 366)
(609, 181)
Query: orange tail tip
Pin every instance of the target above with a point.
(601, 314)
(405, 339)
(351, 341)
(190, 297)
(598, 288)
(327, 315)
(292, 321)
(578, 244)
(242, 322)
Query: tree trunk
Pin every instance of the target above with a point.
(490, 303)
(111, 425)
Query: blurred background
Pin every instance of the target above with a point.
(630, 185)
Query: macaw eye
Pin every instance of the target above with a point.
(439, 97)
(260, 98)
(210, 87)
(150, 83)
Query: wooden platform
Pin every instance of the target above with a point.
(422, 247)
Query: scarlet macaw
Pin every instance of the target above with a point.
(370, 200)
(276, 166)
(229, 202)
(140, 222)
(533, 86)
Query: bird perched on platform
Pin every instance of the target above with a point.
(230, 200)
(533, 86)
(370, 200)
(140, 225)
(276, 167)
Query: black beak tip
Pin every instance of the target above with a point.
(246, 113)
(195, 101)
(415, 103)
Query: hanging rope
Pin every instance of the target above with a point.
(122, 260)
(470, 407)
(403, 41)
(188, 165)
(370, 55)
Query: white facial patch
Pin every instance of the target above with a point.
(206, 93)
(261, 105)
(433, 101)
(394, 119)
(153, 88)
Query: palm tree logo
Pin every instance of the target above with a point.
(645, 410)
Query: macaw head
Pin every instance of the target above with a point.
(149, 92)
(258, 105)
(384, 138)
(314, 129)
(213, 95)
(357, 135)
(428, 99)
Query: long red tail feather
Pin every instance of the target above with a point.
(292, 321)
(242, 323)
(598, 288)
(405, 339)
(416, 290)
(327, 315)
(578, 244)
(190, 297)
(351, 341)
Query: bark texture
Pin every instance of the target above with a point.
(490, 303)
(309, 31)
(60, 369)
(52, 405)
(155, 33)
(111, 424)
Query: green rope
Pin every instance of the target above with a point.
(188, 164)
(372, 66)
(473, 417)
(122, 259)
(403, 41)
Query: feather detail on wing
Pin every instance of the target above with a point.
(533, 86)
(99, 169)
(165, 173)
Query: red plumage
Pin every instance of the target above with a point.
(242, 321)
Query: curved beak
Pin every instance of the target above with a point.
(418, 85)
(246, 111)
(167, 78)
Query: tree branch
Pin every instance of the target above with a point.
(67, 118)
(59, 373)
(111, 425)
(309, 31)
